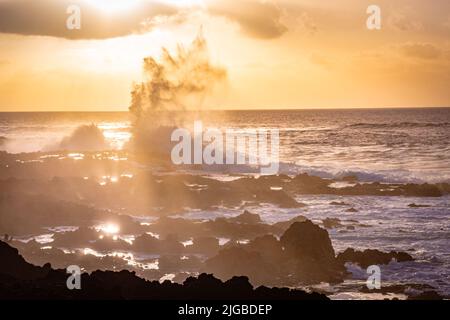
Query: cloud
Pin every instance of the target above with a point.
(306, 22)
(421, 50)
(48, 18)
(256, 18)
(403, 22)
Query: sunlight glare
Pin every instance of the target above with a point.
(110, 228)
(111, 6)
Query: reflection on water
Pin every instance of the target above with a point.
(108, 228)
(76, 156)
(169, 277)
(129, 257)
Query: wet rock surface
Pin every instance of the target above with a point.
(290, 260)
(21, 280)
(372, 257)
(40, 193)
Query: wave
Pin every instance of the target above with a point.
(83, 138)
(399, 125)
(363, 175)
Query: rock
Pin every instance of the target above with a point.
(14, 265)
(331, 223)
(350, 178)
(338, 203)
(351, 210)
(173, 263)
(247, 217)
(282, 226)
(21, 280)
(149, 244)
(372, 257)
(204, 245)
(422, 190)
(78, 238)
(310, 254)
(237, 261)
(146, 243)
(427, 295)
(413, 205)
(110, 243)
(268, 246)
(307, 240)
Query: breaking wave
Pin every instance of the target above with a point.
(398, 125)
(84, 138)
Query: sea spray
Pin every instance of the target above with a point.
(173, 84)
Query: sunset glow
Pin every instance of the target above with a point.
(277, 55)
(112, 6)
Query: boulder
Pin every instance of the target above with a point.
(237, 261)
(309, 255)
(21, 280)
(247, 217)
(370, 257)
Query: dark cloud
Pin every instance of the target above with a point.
(256, 18)
(48, 18)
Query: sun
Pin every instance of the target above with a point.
(112, 6)
(119, 6)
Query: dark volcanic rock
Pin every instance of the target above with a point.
(149, 244)
(350, 178)
(204, 245)
(413, 205)
(427, 295)
(304, 255)
(247, 217)
(23, 214)
(21, 280)
(331, 223)
(414, 291)
(372, 256)
(268, 247)
(310, 255)
(242, 262)
(307, 240)
(282, 226)
(338, 203)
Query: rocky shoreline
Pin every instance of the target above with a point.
(21, 280)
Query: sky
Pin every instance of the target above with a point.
(278, 54)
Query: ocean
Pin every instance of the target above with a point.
(383, 145)
(386, 145)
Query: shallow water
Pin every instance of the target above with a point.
(389, 224)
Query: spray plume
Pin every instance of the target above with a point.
(172, 84)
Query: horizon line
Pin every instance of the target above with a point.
(230, 109)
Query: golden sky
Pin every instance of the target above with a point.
(278, 54)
